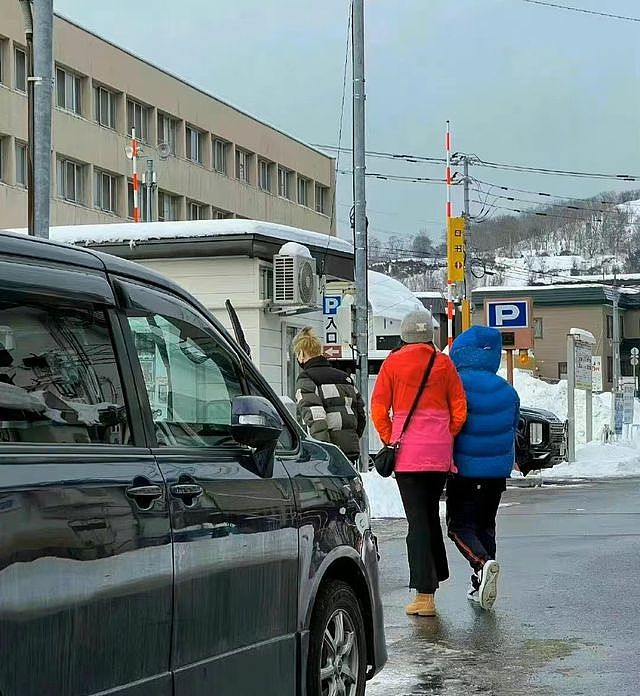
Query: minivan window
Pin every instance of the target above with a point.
(59, 380)
(191, 381)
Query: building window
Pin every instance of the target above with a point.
(264, 172)
(138, 118)
(284, 182)
(106, 192)
(609, 368)
(168, 132)
(196, 211)
(220, 149)
(3, 157)
(195, 145)
(538, 328)
(168, 207)
(303, 191)
(321, 199)
(243, 165)
(142, 202)
(220, 215)
(266, 283)
(609, 326)
(68, 91)
(20, 70)
(105, 107)
(70, 176)
(3, 76)
(562, 370)
(22, 171)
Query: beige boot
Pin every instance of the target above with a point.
(422, 605)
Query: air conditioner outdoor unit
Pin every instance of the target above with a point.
(295, 282)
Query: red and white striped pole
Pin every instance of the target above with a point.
(448, 178)
(136, 181)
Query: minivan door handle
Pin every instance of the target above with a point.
(187, 492)
(144, 494)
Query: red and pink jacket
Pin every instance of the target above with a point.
(439, 416)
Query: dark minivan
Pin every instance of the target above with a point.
(165, 526)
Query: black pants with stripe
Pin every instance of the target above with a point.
(420, 494)
(472, 508)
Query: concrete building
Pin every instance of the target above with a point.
(212, 160)
(559, 308)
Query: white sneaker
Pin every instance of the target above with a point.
(488, 591)
(473, 595)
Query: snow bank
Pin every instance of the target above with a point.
(536, 393)
(390, 298)
(597, 460)
(383, 494)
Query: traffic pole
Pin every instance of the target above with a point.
(466, 302)
(135, 180)
(450, 310)
(360, 219)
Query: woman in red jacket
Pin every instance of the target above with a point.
(425, 456)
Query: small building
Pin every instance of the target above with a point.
(558, 308)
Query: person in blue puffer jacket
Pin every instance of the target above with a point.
(484, 454)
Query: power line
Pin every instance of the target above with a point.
(544, 194)
(598, 13)
(532, 212)
(397, 177)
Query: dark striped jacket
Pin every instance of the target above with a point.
(329, 405)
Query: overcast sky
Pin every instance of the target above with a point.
(520, 83)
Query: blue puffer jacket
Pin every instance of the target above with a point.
(485, 448)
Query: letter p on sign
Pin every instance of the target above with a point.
(508, 315)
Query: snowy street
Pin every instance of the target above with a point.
(566, 621)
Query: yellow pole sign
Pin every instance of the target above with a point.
(455, 249)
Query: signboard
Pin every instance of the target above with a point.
(512, 317)
(330, 305)
(596, 372)
(628, 390)
(508, 315)
(455, 249)
(583, 365)
(619, 413)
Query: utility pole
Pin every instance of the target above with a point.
(466, 302)
(616, 349)
(38, 21)
(360, 218)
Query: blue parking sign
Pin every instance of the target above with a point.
(508, 314)
(330, 304)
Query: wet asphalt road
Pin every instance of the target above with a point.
(567, 620)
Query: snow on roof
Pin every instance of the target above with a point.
(132, 233)
(390, 298)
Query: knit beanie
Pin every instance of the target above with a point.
(417, 327)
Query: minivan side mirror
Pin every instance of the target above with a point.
(255, 422)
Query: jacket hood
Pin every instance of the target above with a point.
(478, 348)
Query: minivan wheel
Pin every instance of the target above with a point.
(337, 644)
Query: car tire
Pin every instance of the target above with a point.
(337, 662)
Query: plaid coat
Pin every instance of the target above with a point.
(329, 406)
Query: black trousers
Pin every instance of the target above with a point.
(425, 545)
(472, 507)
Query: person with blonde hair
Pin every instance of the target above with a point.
(330, 407)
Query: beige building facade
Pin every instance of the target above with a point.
(211, 160)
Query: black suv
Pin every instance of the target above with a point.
(166, 528)
(541, 440)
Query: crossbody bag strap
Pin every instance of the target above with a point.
(423, 384)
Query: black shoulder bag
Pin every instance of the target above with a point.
(385, 460)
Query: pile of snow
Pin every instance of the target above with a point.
(597, 460)
(295, 249)
(535, 393)
(390, 298)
